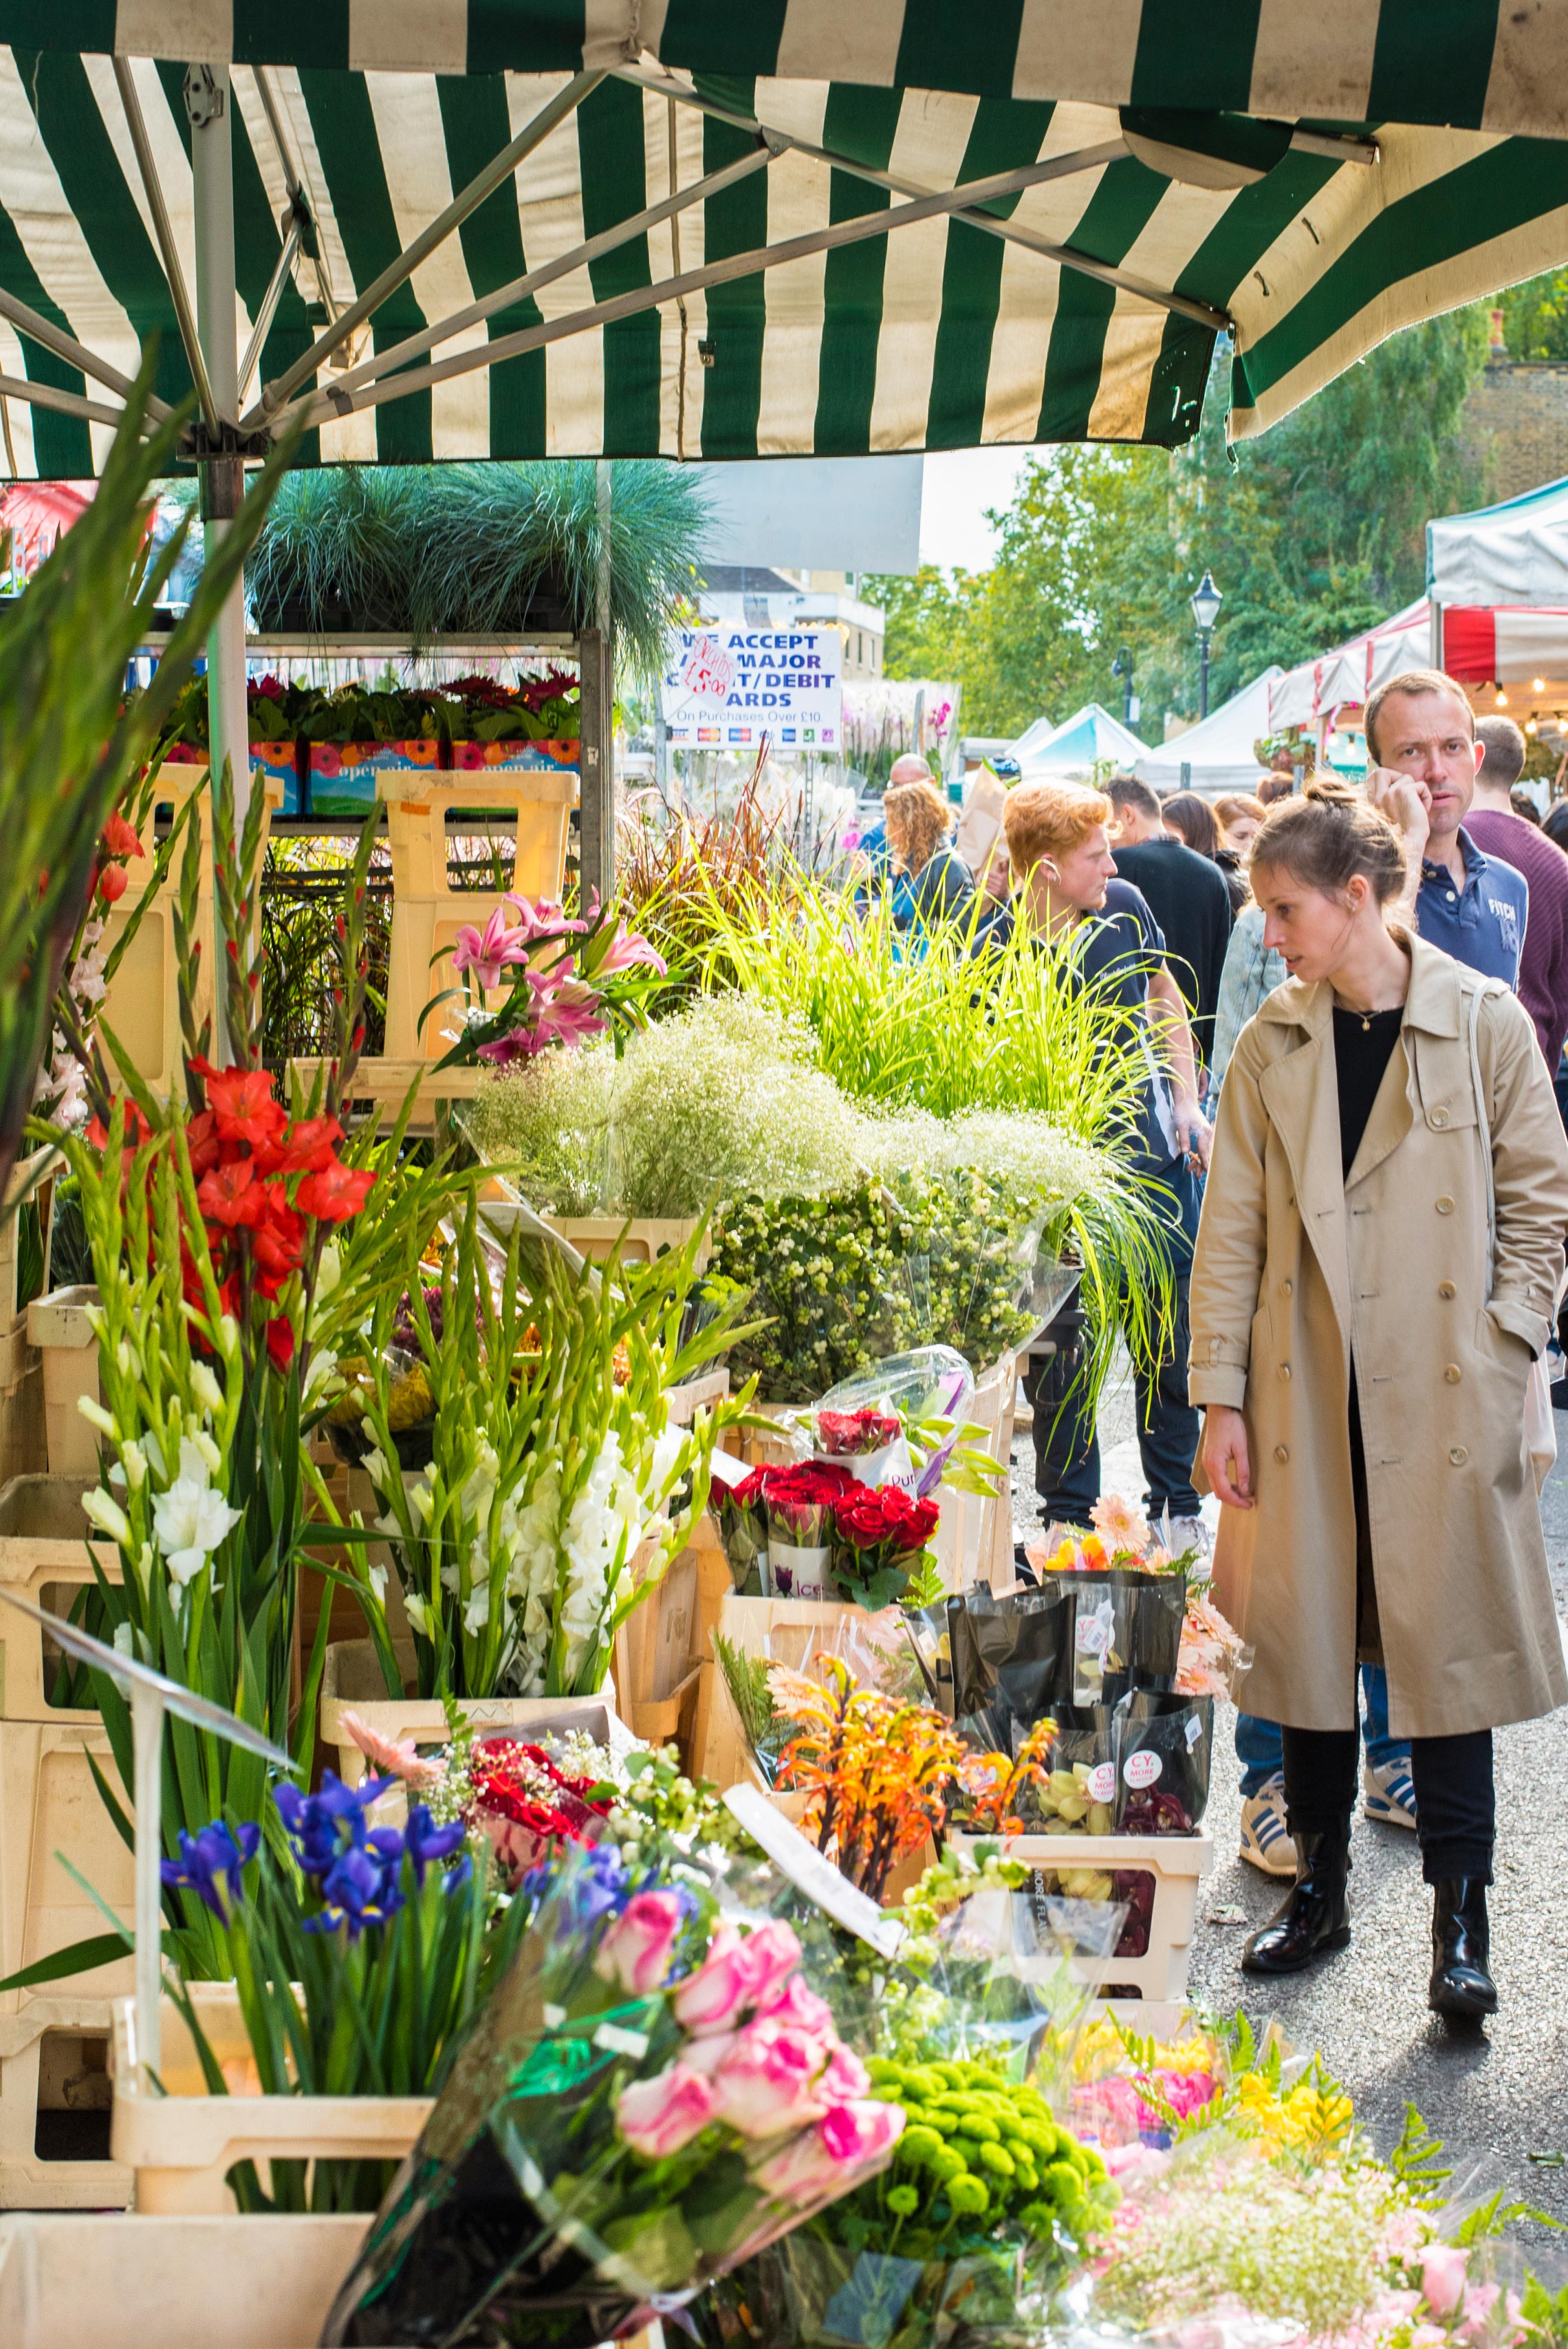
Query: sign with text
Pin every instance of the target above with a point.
(724, 687)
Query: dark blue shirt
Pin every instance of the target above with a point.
(1482, 925)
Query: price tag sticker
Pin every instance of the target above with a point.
(1194, 1730)
(1142, 1769)
(1101, 1783)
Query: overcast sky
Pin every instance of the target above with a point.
(958, 487)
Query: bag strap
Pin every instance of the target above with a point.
(1484, 1123)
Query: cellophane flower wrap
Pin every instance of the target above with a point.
(799, 1504)
(652, 2093)
(742, 1513)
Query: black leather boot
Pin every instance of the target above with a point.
(1315, 1914)
(1461, 1986)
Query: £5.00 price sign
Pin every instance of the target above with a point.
(725, 688)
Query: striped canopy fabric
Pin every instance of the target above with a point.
(1304, 181)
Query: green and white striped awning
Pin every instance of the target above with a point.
(694, 228)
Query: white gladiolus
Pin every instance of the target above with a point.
(103, 1511)
(205, 1389)
(375, 1576)
(191, 1520)
(208, 1450)
(322, 1372)
(329, 1272)
(419, 1615)
(92, 1409)
(134, 1460)
(375, 1467)
(228, 1337)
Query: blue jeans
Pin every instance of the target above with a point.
(1261, 1755)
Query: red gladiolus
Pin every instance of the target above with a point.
(277, 1246)
(241, 1100)
(119, 838)
(112, 883)
(202, 1141)
(334, 1193)
(231, 1196)
(281, 1342)
(308, 1147)
(137, 1128)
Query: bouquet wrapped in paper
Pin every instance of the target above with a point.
(800, 1505)
(650, 2095)
(880, 1553)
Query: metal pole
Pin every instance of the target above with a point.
(1202, 672)
(146, 1733)
(207, 101)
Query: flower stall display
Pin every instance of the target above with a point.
(275, 711)
(986, 2209)
(536, 723)
(552, 1462)
(650, 2095)
(536, 977)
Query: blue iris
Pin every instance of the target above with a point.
(315, 1821)
(205, 1857)
(424, 1841)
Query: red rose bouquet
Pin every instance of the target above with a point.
(742, 1514)
(799, 1504)
(525, 1803)
(880, 1539)
(846, 1434)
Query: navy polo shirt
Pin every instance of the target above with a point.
(1482, 925)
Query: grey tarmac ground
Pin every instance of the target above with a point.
(1496, 2097)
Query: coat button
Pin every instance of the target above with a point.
(1439, 1117)
(1452, 1374)
(1285, 1370)
(1281, 1453)
(1287, 1289)
(1458, 1454)
(1445, 1288)
(1445, 1206)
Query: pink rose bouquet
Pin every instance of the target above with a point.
(649, 2096)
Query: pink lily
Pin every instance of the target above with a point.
(625, 947)
(501, 944)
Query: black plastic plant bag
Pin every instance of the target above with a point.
(1079, 1795)
(1164, 1746)
(1010, 1660)
(1125, 1630)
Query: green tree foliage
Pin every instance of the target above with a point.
(1313, 531)
(1536, 316)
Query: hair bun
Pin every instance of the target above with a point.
(1332, 792)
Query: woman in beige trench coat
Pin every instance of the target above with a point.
(1361, 1348)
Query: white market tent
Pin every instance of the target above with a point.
(1216, 755)
(1308, 695)
(1089, 741)
(1515, 552)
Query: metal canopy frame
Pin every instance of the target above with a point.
(225, 436)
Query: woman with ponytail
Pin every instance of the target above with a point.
(1376, 1269)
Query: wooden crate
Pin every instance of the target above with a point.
(44, 1556)
(760, 1627)
(54, 2096)
(973, 1540)
(655, 1667)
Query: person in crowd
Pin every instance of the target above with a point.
(1239, 816)
(909, 769)
(1067, 892)
(1498, 831)
(930, 880)
(1184, 892)
(1422, 770)
(1279, 783)
(1192, 820)
(1555, 824)
(1523, 806)
(1374, 1272)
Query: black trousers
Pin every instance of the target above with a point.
(1456, 1808)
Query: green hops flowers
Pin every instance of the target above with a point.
(918, 2145)
(999, 2162)
(1063, 2182)
(968, 2196)
(946, 2163)
(903, 2201)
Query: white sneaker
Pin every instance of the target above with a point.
(1388, 1793)
(1265, 1839)
(1189, 1533)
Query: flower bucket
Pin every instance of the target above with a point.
(58, 1324)
(545, 756)
(346, 777)
(352, 1681)
(182, 2145)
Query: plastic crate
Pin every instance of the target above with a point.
(181, 2147)
(54, 2109)
(182, 2284)
(68, 1351)
(49, 1805)
(45, 1555)
(1176, 1864)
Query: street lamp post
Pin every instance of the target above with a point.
(1206, 602)
(1121, 669)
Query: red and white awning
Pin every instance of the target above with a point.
(1510, 643)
